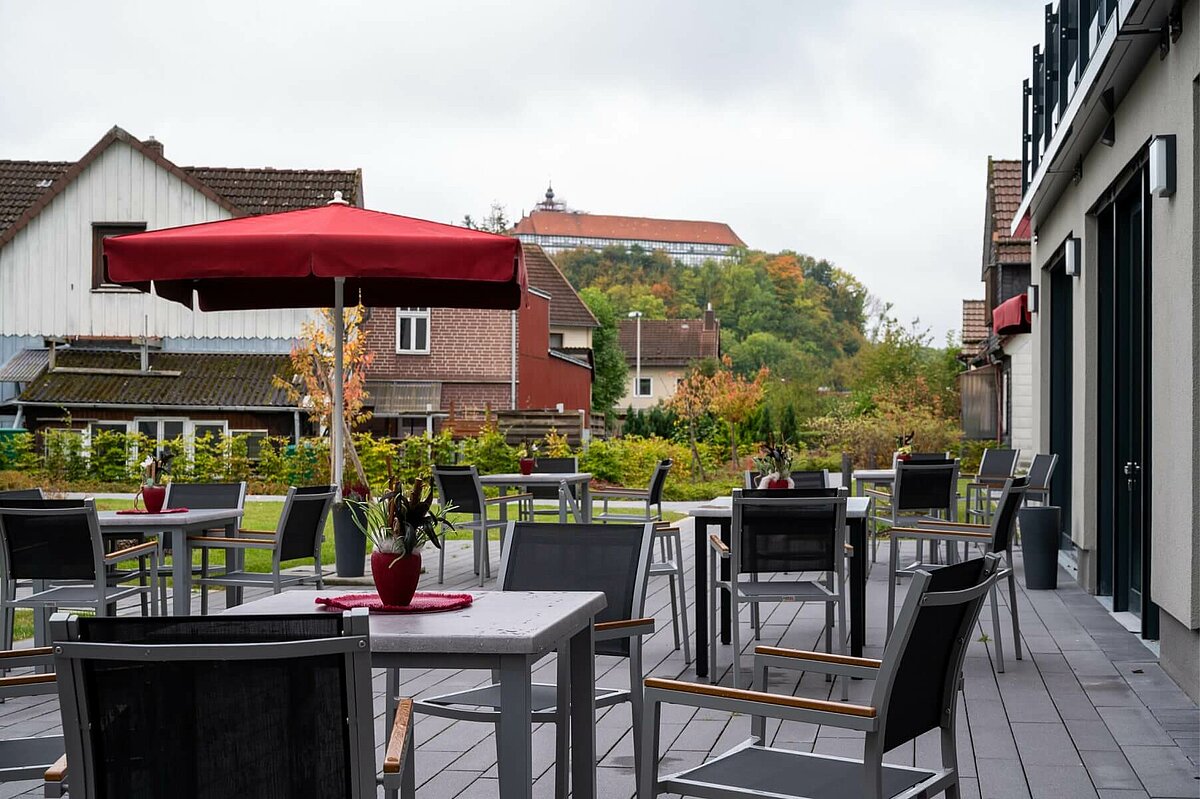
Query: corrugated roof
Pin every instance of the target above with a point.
(394, 398)
(25, 366)
(207, 380)
(600, 226)
(566, 309)
(669, 342)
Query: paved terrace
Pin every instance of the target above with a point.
(1088, 713)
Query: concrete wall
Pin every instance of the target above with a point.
(1164, 99)
(574, 337)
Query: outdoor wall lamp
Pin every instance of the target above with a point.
(1073, 255)
(1162, 166)
(1031, 303)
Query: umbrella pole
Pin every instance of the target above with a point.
(335, 423)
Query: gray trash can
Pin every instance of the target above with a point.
(1040, 528)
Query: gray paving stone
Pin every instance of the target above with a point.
(1001, 779)
(1059, 782)
(1164, 771)
(1045, 744)
(1110, 770)
(1134, 726)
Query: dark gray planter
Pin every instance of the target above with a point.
(349, 543)
(1040, 529)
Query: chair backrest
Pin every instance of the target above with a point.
(181, 707)
(918, 682)
(998, 462)
(22, 493)
(800, 479)
(925, 486)
(658, 480)
(51, 539)
(303, 522)
(610, 558)
(205, 496)
(459, 485)
(1041, 470)
(788, 530)
(552, 466)
(1004, 520)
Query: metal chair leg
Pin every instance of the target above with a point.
(999, 646)
(1012, 608)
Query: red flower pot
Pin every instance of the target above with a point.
(903, 458)
(784, 483)
(526, 465)
(153, 497)
(396, 581)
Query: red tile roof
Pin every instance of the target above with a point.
(22, 182)
(1004, 197)
(974, 323)
(269, 190)
(670, 342)
(600, 226)
(566, 309)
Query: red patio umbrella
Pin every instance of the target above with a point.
(315, 258)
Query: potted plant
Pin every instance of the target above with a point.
(398, 524)
(155, 469)
(527, 455)
(774, 465)
(349, 544)
(904, 450)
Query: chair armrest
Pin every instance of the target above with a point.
(819, 662)
(221, 542)
(984, 481)
(715, 542)
(148, 548)
(57, 773)
(26, 679)
(939, 534)
(259, 533)
(633, 493)
(622, 628)
(942, 523)
(875, 492)
(759, 703)
(393, 758)
(506, 498)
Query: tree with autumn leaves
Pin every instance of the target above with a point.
(714, 388)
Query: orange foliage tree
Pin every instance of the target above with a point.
(734, 398)
(692, 399)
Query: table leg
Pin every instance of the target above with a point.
(700, 592)
(233, 562)
(583, 714)
(858, 586)
(181, 573)
(585, 497)
(515, 743)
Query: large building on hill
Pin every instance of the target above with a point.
(556, 228)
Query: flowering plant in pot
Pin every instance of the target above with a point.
(155, 469)
(527, 456)
(774, 465)
(398, 524)
(904, 448)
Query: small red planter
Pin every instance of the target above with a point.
(153, 497)
(526, 465)
(396, 583)
(903, 458)
(779, 483)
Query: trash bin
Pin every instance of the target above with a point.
(349, 543)
(1040, 528)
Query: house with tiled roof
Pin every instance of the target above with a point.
(55, 293)
(997, 388)
(556, 228)
(659, 353)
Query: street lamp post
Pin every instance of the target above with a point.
(637, 368)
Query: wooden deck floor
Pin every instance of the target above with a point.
(1087, 713)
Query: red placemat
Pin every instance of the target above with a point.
(137, 511)
(422, 602)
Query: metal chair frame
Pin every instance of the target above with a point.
(480, 523)
(1041, 472)
(983, 489)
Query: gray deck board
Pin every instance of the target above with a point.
(1087, 713)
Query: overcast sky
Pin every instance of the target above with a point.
(852, 131)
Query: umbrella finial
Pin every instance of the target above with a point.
(337, 199)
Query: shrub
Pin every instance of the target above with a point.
(17, 453)
(489, 452)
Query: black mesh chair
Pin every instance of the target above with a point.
(776, 531)
(56, 546)
(298, 535)
(613, 559)
(920, 489)
(996, 466)
(460, 486)
(198, 496)
(805, 478)
(1041, 472)
(997, 537)
(552, 466)
(27, 758)
(271, 707)
(650, 497)
(22, 493)
(916, 691)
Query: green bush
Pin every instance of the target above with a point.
(489, 452)
(17, 452)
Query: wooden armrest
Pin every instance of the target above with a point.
(721, 692)
(939, 533)
(222, 542)
(26, 679)
(621, 624)
(663, 526)
(984, 481)
(506, 498)
(821, 657)
(57, 772)
(716, 543)
(848, 549)
(263, 533)
(943, 523)
(130, 552)
(620, 492)
(26, 653)
(875, 492)
(393, 758)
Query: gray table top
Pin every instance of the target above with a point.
(881, 475)
(548, 478)
(497, 623)
(722, 507)
(216, 517)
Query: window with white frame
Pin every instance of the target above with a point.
(254, 442)
(412, 331)
(642, 387)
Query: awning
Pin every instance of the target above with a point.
(1011, 316)
(389, 398)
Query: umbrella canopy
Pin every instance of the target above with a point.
(291, 260)
(318, 258)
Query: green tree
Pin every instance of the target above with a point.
(608, 380)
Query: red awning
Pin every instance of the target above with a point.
(1011, 316)
(289, 260)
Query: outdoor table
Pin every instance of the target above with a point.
(719, 512)
(873, 476)
(563, 480)
(504, 631)
(178, 526)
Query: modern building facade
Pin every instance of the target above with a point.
(557, 229)
(1109, 174)
(661, 357)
